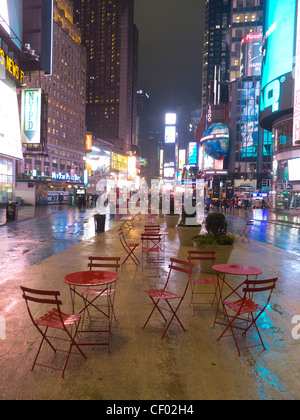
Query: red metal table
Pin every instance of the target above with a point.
(236, 270)
(87, 279)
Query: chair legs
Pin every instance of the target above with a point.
(132, 255)
(172, 310)
(235, 326)
(73, 343)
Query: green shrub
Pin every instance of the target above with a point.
(216, 227)
(216, 224)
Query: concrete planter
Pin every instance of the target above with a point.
(186, 233)
(223, 253)
(171, 220)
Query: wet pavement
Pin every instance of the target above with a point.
(183, 367)
(41, 232)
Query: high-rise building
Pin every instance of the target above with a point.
(216, 52)
(249, 160)
(110, 38)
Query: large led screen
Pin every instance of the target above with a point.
(11, 22)
(294, 169)
(10, 134)
(278, 57)
(170, 134)
(251, 58)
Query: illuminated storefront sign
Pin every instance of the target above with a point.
(119, 162)
(65, 177)
(11, 68)
(31, 116)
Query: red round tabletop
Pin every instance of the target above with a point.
(242, 270)
(90, 278)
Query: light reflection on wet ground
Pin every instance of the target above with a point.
(29, 241)
(53, 230)
(271, 228)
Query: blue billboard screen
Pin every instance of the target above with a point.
(278, 58)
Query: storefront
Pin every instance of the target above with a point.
(10, 139)
(49, 191)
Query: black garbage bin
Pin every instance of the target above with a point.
(99, 222)
(11, 210)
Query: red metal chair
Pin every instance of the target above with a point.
(103, 262)
(53, 318)
(173, 300)
(129, 248)
(207, 257)
(247, 306)
(152, 249)
(152, 228)
(244, 233)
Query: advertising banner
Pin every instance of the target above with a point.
(31, 116)
(278, 60)
(251, 59)
(11, 19)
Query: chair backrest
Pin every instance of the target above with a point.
(249, 224)
(153, 237)
(182, 267)
(207, 257)
(42, 297)
(104, 262)
(202, 256)
(252, 287)
(122, 237)
(148, 228)
(257, 286)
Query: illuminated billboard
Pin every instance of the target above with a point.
(171, 119)
(251, 49)
(296, 116)
(88, 142)
(193, 153)
(10, 134)
(31, 116)
(11, 22)
(170, 134)
(278, 58)
(181, 158)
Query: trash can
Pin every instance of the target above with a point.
(99, 222)
(11, 211)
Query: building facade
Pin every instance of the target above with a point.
(16, 56)
(249, 161)
(279, 103)
(216, 52)
(60, 153)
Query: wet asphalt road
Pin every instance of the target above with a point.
(26, 242)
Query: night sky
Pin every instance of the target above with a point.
(170, 53)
